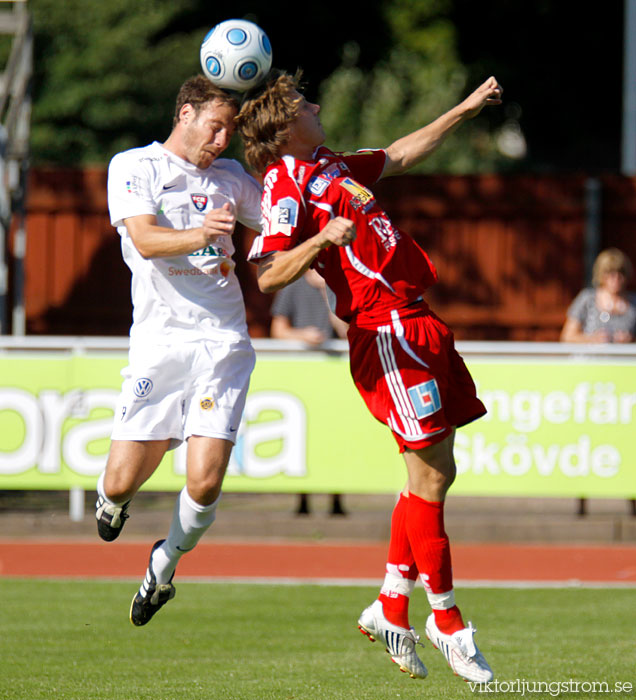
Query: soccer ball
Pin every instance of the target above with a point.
(236, 55)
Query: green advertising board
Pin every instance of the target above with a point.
(554, 428)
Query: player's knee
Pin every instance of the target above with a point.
(118, 488)
(205, 490)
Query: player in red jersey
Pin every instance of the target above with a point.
(320, 213)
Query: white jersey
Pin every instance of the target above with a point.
(190, 296)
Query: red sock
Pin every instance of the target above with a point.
(430, 546)
(449, 621)
(400, 562)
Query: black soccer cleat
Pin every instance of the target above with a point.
(145, 605)
(110, 518)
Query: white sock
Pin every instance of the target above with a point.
(397, 585)
(441, 601)
(100, 491)
(189, 521)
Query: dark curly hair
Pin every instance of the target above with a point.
(198, 91)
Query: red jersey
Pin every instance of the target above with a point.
(382, 270)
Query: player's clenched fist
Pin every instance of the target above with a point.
(339, 231)
(218, 222)
(488, 93)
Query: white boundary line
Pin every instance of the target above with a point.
(344, 582)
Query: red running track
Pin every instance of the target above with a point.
(489, 563)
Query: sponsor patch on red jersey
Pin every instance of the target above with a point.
(317, 185)
(362, 197)
(425, 398)
(284, 216)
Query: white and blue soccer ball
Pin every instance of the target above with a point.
(236, 55)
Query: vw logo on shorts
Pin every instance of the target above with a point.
(143, 387)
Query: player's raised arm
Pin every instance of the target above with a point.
(409, 150)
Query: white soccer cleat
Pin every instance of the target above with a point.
(400, 642)
(460, 651)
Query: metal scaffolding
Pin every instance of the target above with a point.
(15, 118)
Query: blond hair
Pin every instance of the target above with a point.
(266, 117)
(611, 260)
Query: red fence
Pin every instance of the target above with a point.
(509, 250)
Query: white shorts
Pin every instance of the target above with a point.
(175, 391)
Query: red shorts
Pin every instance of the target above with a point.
(412, 378)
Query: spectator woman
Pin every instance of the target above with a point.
(605, 312)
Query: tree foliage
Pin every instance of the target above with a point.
(106, 73)
(420, 78)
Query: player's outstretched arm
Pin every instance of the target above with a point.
(410, 150)
(284, 267)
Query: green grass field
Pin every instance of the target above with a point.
(72, 641)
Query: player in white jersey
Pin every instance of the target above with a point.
(175, 206)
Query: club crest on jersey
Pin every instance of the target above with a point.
(425, 398)
(284, 216)
(200, 201)
(206, 404)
